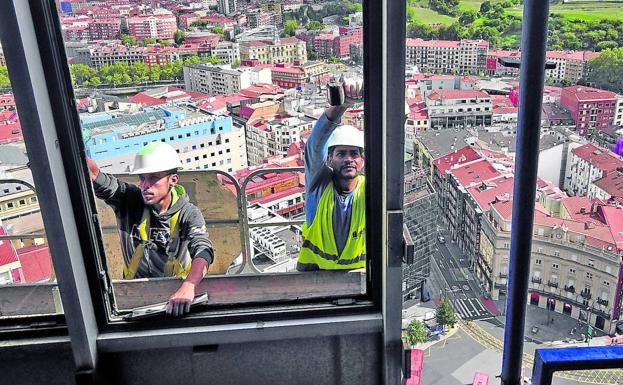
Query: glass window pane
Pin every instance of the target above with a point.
(232, 88)
(462, 93)
(27, 281)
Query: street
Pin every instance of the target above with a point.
(450, 277)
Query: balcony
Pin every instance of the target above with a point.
(503, 275)
(602, 302)
(537, 280)
(570, 289)
(586, 294)
(552, 284)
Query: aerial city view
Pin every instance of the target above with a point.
(237, 87)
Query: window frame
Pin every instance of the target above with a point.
(378, 111)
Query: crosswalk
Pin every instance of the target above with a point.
(470, 308)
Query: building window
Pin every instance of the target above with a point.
(589, 275)
(591, 263)
(555, 266)
(538, 261)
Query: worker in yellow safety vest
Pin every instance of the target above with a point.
(334, 232)
(162, 233)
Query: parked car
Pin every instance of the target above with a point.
(441, 239)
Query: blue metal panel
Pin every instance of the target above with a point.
(548, 361)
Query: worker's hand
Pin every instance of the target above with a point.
(94, 170)
(180, 301)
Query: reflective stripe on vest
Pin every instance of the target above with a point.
(319, 251)
(172, 267)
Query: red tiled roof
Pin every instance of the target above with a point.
(7, 251)
(460, 156)
(582, 93)
(598, 157)
(611, 183)
(457, 94)
(492, 190)
(36, 263)
(476, 172)
(281, 194)
(614, 219)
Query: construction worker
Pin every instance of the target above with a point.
(334, 232)
(162, 233)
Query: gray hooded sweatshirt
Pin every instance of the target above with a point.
(127, 202)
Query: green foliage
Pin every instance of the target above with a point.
(289, 27)
(416, 333)
(128, 40)
(164, 42)
(353, 7)
(218, 30)
(81, 72)
(607, 70)
(199, 23)
(445, 313)
(5, 82)
(179, 36)
(445, 7)
(333, 59)
(236, 63)
(314, 26)
(467, 18)
(147, 41)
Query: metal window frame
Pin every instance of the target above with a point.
(31, 31)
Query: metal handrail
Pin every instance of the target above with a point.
(242, 221)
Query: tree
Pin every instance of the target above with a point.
(468, 17)
(218, 30)
(416, 333)
(236, 63)
(314, 26)
(81, 73)
(607, 70)
(139, 72)
(485, 7)
(179, 36)
(199, 23)
(128, 40)
(5, 82)
(289, 27)
(147, 41)
(164, 42)
(213, 60)
(445, 314)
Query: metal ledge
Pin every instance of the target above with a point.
(548, 361)
(37, 299)
(240, 333)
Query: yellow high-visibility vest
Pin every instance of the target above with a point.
(173, 267)
(319, 251)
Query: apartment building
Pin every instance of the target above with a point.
(160, 25)
(570, 65)
(2, 59)
(269, 138)
(222, 80)
(227, 7)
(203, 141)
(589, 163)
(591, 108)
(109, 53)
(258, 18)
(284, 50)
(226, 52)
(608, 188)
(575, 262)
(462, 57)
(618, 111)
(459, 108)
(420, 219)
(291, 76)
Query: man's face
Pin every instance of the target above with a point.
(156, 186)
(346, 161)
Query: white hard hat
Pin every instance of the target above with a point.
(156, 157)
(346, 135)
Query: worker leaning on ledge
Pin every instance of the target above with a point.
(162, 233)
(334, 232)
